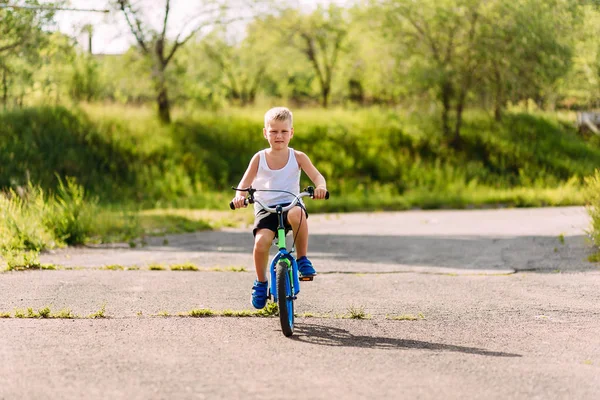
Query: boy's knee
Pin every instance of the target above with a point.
(295, 214)
(262, 241)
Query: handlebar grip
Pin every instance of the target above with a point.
(327, 195)
(232, 206)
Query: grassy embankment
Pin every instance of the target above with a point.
(123, 161)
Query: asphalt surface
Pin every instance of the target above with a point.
(490, 304)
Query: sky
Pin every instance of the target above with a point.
(111, 33)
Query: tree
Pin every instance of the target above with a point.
(462, 46)
(154, 42)
(320, 36)
(21, 37)
(526, 47)
(242, 66)
(442, 34)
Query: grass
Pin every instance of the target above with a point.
(184, 267)
(270, 310)
(113, 268)
(42, 313)
(101, 313)
(354, 312)
(201, 313)
(592, 195)
(103, 181)
(405, 317)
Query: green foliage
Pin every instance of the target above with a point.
(22, 225)
(71, 216)
(593, 205)
(372, 158)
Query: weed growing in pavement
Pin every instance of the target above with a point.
(229, 269)
(44, 312)
(101, 313)
(201, 313)
(184, 267)
(561, 238)
(113, 267)
(356, 313)
(270, 310)
(405, 317)
(65, 313)
(156, 267)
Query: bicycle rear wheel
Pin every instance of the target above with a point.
(285, 299)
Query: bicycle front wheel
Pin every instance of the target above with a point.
(285, 299)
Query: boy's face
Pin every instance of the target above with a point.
(278, 133)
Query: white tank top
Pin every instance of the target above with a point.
(286, 178)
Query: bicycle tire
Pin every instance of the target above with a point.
(285, 300)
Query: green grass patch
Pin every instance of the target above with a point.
(355, 312)
(113, 268)
(42, 313)
(184, 267)
(405, 317)
(156, 267)
(229, 269)
(239, 313)
(593, 206)
(101, 313)
(373, 158)
(202, 313)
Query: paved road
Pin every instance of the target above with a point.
(505, 309)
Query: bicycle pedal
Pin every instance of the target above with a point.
(306, 278)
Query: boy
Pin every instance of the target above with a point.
(278, 167)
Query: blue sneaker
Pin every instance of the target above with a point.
(259, 294)
(305, 267)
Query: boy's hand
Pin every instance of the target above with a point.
(239, 201)
(320, 192)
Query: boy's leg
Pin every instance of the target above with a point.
(262, 243)
(297, 219)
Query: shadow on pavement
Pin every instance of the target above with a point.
(521, 253)
(329, 336)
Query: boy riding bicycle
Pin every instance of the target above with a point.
(278, 168)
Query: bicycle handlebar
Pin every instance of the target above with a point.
(309, 191)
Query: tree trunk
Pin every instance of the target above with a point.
(446, 99)
(162, 97)
(456, 142)
(325, 94)
(4, 89)
(498, 101)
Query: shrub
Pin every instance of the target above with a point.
(593, 205)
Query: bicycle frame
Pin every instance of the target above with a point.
(285, 256)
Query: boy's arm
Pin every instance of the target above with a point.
(313, 173)
(246, 181)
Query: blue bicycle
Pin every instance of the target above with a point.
(284, 282)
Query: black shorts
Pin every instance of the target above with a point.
(267, 220)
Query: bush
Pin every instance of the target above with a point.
(70, 215)
(593, 205)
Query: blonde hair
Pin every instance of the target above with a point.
(279, 114)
